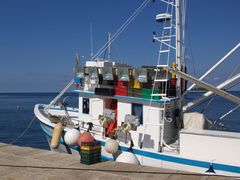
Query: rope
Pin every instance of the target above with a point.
(211, 100)
(21, 135)
(115, 35)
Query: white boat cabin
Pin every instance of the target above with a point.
(119, 99)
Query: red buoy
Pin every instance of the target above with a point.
(85, 137)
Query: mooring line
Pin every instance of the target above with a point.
(21, 135)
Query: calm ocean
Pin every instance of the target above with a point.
(16, 112)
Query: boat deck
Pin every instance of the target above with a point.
(126, 98)
(28, 163)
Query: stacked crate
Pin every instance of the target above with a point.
(121, 88)
(172, 87)
(90, 152)
(134, 87)
(146, 93)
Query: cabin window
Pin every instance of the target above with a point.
(137, 110)
(85, 106)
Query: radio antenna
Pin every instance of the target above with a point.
(91, 39)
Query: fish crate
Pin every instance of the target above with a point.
(121, 83)
(172, 92)
(105, 91)
(89, 161)
(146, 94)
(137, 85)
(90, 145)
(90, 152)
(108, 82)
(137, 92)
(131, 82)
(148, 84)
(121, 91)
(130, 92)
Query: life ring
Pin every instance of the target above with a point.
(126, 127)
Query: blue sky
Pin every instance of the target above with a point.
(38, 39)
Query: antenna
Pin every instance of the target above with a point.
(109, 46)
(91, 39)
(77, 59)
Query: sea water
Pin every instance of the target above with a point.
(17, 112)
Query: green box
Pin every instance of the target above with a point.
(146, 93)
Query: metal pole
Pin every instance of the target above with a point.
(190, 105)
(217, 64)
(207, 86)
(91, 39)
(178, 45)
(109, 46)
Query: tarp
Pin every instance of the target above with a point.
(195, 120)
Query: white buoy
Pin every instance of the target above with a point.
(111, 146)
(128, 157)
(71, 137)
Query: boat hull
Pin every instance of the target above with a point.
(161, 160)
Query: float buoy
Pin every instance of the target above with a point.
(111, 146)
(85, 137)
(126, 127)
(128, 157)
(103, 121)
(71, 137)
(57, 133)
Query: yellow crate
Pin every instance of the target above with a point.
(137, 85)
(89, 148)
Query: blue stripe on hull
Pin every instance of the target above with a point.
(202, 164)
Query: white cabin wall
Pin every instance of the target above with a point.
(210, 145)
(123, 109)
(80, 101)
(96, 107)
(151, 116)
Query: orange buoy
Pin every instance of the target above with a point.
(85, 137)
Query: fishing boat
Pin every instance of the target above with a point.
(138, 114)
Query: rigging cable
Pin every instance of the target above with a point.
(229, 112)
(115, 35)
(231, 75)
(122, 28)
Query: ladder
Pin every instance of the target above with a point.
(165, 40)
(160, 85)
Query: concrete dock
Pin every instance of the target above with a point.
(28, 163)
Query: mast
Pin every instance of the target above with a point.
(178, 45)
(109, 46)
(91, 39)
